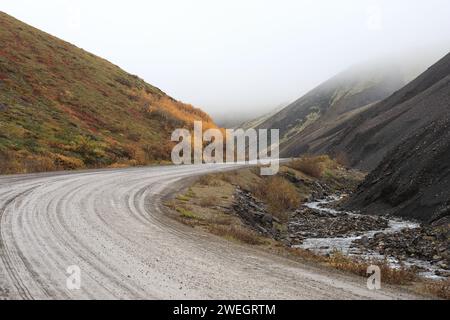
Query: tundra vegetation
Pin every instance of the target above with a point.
(62, 108)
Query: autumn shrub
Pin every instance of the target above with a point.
(9, 163)
(280, 195)
(313, 166)
(67, 163)
(135, 153)
(22, 162)
(38, 164)
(155, 152)
(165, 117)
(90, 150)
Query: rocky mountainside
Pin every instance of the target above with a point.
(367, 137)
(413, 126)
(333, 102)
(64, 108)
(413, 180)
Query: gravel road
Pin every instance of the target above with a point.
(113, 226)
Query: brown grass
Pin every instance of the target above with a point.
(312, 166)
(237, 233)
(389, 275)
(228, 176)
(209, 180)
(220, 220)
(210, 201)
(280, 196)
(439, 289)
(23, 162)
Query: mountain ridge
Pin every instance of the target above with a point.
(345, 93)
(315, 122)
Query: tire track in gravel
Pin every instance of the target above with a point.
(113, 225)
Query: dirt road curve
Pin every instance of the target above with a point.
(111, 224)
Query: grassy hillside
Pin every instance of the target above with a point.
(64, 108)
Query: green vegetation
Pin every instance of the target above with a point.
(64, 108)
(187, 214)
(183, 197)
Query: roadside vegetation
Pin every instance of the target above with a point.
(439, 289)
(208, 205)
(313, 166)
(279, 194)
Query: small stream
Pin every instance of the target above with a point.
(343, 244)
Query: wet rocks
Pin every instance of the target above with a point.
(424, 243)
(311, 223)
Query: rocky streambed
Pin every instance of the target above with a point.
(319, 227)
(400, 242)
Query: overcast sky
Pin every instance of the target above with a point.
(238, 55)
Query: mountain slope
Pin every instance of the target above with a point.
(345, 93)
(317, 120)
(64, 108)
(412, 129)
(369, 136)
(255, 122)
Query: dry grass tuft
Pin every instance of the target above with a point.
(280, 196)
(313, 166)
(220, 220)
(227, 177)
(439, 289)
(236, 233)
(389, 275)
(209, 180)
(209, 202)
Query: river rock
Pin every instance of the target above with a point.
(254, 214)
(311, 223)
(425, 243)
